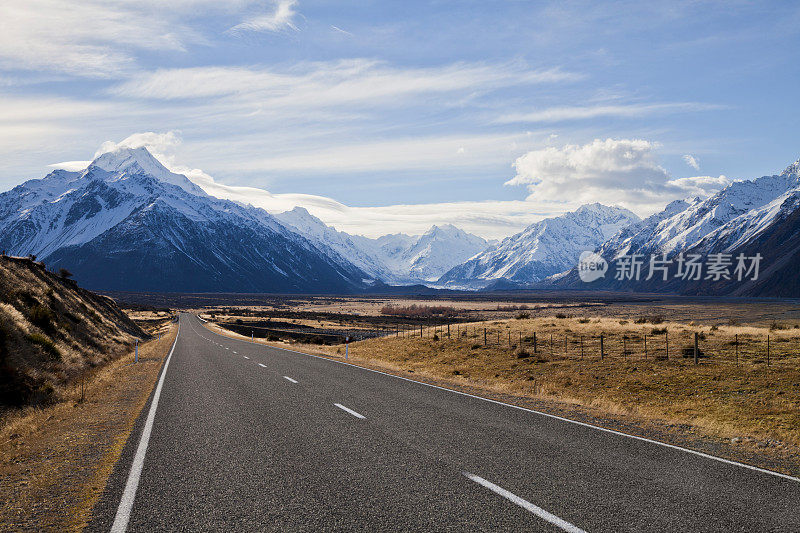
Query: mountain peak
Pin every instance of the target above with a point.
(124, 160)
(793, 169)
(129, 159)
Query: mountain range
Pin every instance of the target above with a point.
(128, 223)
(747, 218)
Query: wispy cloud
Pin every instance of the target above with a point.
(90, 38)
(344, 81)
(692, 161)
(281, 18)
(563, 114)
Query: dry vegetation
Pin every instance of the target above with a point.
(55, 460)
(52, 332)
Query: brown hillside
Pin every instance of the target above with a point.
(51, 331)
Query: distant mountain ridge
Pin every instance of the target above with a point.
(394, 258)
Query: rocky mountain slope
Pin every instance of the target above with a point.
(746, 218)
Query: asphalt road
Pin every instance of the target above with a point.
(246, 437)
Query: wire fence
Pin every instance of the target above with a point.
(769, 350)
(696, 347)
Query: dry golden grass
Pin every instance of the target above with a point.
(55, 461)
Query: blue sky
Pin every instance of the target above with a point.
(489, 115)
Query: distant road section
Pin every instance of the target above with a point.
(245, 437)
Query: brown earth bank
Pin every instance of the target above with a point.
(736, 402)
(52, 332)
(55, 460)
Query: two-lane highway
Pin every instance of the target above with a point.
(240, 436)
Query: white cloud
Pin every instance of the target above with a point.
(612, 171)
(692, 161)
(562, 114)
(89, 38)
(323, 84)
(159, 144)
(281, 18)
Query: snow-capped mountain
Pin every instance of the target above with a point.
(543, 249)
(426, 257)
(128, 223)
(394, 258)
(683, 224)
(745, 217)
(343, 246)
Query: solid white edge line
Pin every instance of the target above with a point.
(262, 366)
(290, 379)
(525, 504)
(540, 413)
(345, 409)
(129, 494)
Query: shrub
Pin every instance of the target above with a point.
(420, 311)
(658, 331)
(521, 353)
(522, 315)
(45, 343)
(63, 273)
(583, 320)
(436, 336)
(561, 315)
(688, 351)
(42, 317)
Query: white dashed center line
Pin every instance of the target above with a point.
(246, 357)
(345, 409)
(287, 378)
(262, 366)
(525, 504)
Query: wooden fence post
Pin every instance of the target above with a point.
(696, 360)
(581, 346)
(484, 336)
(602, 355)
(736, 344)
(666, 340)
(534, 342)
(767, 350)
(645, 345)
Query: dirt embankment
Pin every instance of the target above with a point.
(52, 332)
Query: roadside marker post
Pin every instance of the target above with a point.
(346, 348)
